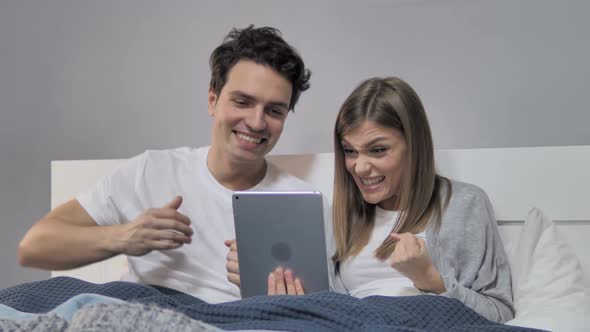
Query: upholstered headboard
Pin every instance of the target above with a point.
(554, 179)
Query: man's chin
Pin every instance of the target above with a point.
(249, 156)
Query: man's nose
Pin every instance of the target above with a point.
(257, 119)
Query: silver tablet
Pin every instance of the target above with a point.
(280, 229)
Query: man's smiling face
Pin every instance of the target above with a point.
(249, 112)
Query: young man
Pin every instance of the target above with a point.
(170, 211)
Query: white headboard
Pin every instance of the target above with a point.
(554, 179)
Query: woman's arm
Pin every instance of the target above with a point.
(468, 252)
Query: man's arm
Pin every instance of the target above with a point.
(68, 237)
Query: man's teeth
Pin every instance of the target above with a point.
(249, 138)
(372, 181)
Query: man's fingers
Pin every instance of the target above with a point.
(290, 283)
(280, 281)
(164, 245)
(170, 214)
(174, 203)
(232, 267)
(170, 236)
(231, 244)
(234, 278)
(272, 284)
(232, 256)
(170, 224)
(299, 287)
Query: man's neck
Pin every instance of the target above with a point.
(235, 175)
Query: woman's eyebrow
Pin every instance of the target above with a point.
(368, 144)
(376, 140)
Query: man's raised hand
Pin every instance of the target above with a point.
(156, 229)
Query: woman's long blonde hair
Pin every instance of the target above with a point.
(391, 103)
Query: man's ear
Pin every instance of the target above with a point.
(211, 102)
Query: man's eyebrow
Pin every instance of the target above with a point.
(241, 95)
(279, 104)
(246, 96)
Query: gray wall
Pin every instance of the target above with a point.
(110, 78)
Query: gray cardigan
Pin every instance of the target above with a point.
(469, 254)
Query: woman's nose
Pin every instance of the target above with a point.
(363, 166)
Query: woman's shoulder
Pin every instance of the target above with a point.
(466, 201)
(465, 191)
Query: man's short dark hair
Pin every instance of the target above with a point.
(264, 46)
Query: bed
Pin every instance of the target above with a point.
(545, 186)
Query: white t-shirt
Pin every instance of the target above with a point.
(364, 275)
(153, 179)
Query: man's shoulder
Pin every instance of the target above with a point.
(163, 160)
(174, 153)
(174, 156)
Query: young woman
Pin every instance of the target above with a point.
(398, 226)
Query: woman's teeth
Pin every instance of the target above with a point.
(372, 181)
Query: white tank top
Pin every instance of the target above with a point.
(364, 275)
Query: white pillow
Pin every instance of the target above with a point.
(547, 279)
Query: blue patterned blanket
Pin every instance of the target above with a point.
(325, 311)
